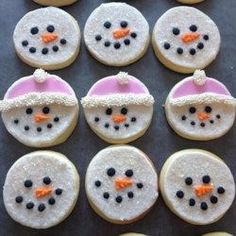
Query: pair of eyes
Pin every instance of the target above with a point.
(176, 30)
(45, 110)
(111, 172)
(207, 109)
(35, 30)
(29, 183)
(206, 179)
(123, 24)
(123, 111)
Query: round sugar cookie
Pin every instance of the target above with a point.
(47, 38)
(118, 108)
(217, 234)
(40, 110)
(121, 184)
(197, 186)
(185, 39)
(116, 34)
(190, 1)
(200, 108)
(41, 189)
(58, 3)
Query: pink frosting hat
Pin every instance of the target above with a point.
(38, 89)
(199, 89)
(117, 90)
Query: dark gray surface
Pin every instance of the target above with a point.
(159, 142)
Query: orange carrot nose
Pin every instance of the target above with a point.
(39, 118)
(42, 192)
(202, 190)
(202, 116)
(121, 183)
(120, 33)
(190, 37)
(118, 119)
(47, 38)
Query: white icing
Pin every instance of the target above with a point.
(121, 158)
(40, 75)
(199, 77)
(123, 78)
(35, 166)
(117, 100)
(196, 164)
(182, 18)
(66, 27)
(115, 13)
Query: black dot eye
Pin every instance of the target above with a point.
(124, 111)
(208, 109)
(29, 111)
(111, 172)
(47, 180)
(206, 179)
(107, 24)
(192, 110)
(34, 30)
(50, 28)
(129, 173)
(193, 28)
(188, 180)
(28, 183)
(108, 111)
(123, 24)
(46, 110)
(176, 31)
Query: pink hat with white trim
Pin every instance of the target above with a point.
(38, 89)
(199, 89)
(117, 90)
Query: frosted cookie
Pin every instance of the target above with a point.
(200, 108)
(190, 1)
(118, 108)
(132, 234)
(116, 34)
(48, 38)
(41, 189)
(218, 234)
(40, 110)
(185, 39)
(197, 186)
(121, 184)
(58, 3)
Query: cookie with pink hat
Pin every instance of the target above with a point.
(200, 108)
(118, 108)
(58, 3)
(40, 110)
(47, 38)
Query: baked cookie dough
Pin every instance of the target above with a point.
(197, 186)
(116, 34)
(190, 1)
(47, 38)
(185, 39)
(200, 108)
(132, 234)
(118, 108)
(41, 189)
(121, 184)
(57, 3)
(40, 110)
(218, 234)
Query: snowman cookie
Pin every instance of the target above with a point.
(116, 34)
(185, 39)
(118, 108)
(197, 186)
(40, 110)
(121, 184)
(58, 3)
(200, 108)
(41, 189)
(190, 1)
(48, 38)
